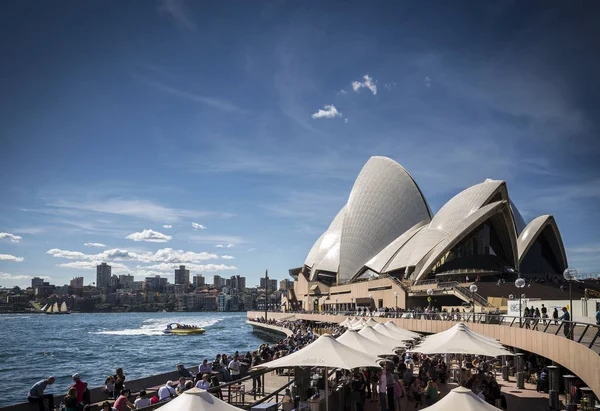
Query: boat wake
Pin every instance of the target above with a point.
(155, 326)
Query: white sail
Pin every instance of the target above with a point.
(63, 307)
(44, 308)
(55, 308)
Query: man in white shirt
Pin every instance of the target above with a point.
(142, 401)
(235, 367)
(167, 392)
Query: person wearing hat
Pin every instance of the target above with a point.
(80, 386)
(36, 394)
(167, 392)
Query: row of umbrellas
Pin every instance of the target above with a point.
(362, 345)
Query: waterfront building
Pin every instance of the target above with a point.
(286, 284)
(156, 283)
(36, 282)
(182, 276)
(272, 284)
(218, 282)
(198, 281)
(103, 275)
(385, 245)
(77, 282)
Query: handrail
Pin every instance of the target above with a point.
(274, 393)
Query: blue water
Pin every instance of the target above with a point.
(33, 347)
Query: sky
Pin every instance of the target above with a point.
(227, 135)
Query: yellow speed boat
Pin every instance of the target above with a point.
(176, 328)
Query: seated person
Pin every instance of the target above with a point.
(203, 384)
(167, 392)
(184, 372)
(142, 400)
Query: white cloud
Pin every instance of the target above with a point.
(227, 257)
(149, 236)
(167, 226)
(90, 265)
(197, 226)
(367, 83)
(166, 255)
(94, 245)
(252, 249)
(329, 112)
(230, 246)
(8, 276)
(10, 237)
(219, 246)
(427, 81)
(346, 121)
(8, 257)
(342, 92)
(168, 268)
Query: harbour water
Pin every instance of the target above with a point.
(33, 347)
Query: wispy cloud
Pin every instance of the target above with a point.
(329, 112)
(90, 265)
(149, 236)
(177, 10)
(94, 245)
(230, 240)
(167, 255)
(167, 226)
(9, 257)
(10, 237)
(367, 82)
(165, 268)
(8, 276)
(227, 257)
(217, 103)
(197, 226)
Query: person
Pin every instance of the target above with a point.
(399, 394)
(184, 372)
(256, 384)
(567, 326)
(119, 378)
(142, 400)
(374, 381)
(598, 316)
(355, 397)
(106, 407)
(181, 386)
(555, 316)
(36, 394)
(167, 392)
(123, 401)
(526, 315)
(431, 393)
(234, 368)
(542, 381)
(109, 386)
(382, 389)
(544, 312)
(70, 400)
(80, 386)
(287, 403)
(203, 384)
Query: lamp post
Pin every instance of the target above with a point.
(336, 306)
(372, 302)
(316, 305)
(396, 297)
(429, 294)
(520, 283)
(473, 289)
(570, 275)
(266, 292)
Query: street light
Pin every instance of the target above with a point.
(336, 305)
(570, 275)
(473, 288)
(396, 297)
(429, 294)
(316, 305)
(520, 283)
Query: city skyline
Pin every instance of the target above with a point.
(225, 138)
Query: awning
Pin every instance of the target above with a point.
(364, 302)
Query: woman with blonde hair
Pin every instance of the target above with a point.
(70, 400)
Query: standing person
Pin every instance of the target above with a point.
(555, 316)
(80, 386)
(567, 326)
(109, 386)
(36, 394)
(119, 378)
(544, 311)
(431, 393)
(382, 389)
(536, 318)
(526, 317)
(234, 367)
(255, 380)
(355, 397)
(374, 377)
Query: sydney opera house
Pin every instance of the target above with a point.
(385, 246)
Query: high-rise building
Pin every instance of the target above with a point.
(217, 281)
(103, 274)
(125, 278)
(77, 282)
(198, 281)
(114, 281)
(182, 276)
(237, 282)
(156, 283)
(272, 284)
(36, 282)
(286, 284)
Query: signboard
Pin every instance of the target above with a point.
(513, 307)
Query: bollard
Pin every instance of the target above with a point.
(505, 373)
(569, 380)
(553, 387)
(519, 357)
(521, 380)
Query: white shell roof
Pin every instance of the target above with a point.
(532, 232)
(378, 262)
(414, 251)
(321, 250)
(384, 203)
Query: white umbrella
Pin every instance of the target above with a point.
(325, 352)
(463, 327)
(462, 399)
(355, 320)
(393, 326)
(389, 342)
(459, 341)
(353, 339)
(393, 333)
(197, 400)
(359, 324)
(345, 323)
(372, 322)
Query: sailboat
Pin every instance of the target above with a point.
(56, 309)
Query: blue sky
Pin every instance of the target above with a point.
(242, 125)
